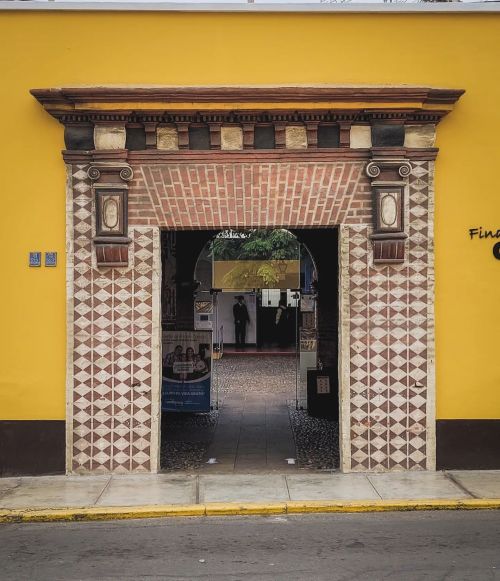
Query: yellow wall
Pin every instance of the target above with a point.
(63, 49)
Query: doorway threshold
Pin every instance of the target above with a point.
(253, 350)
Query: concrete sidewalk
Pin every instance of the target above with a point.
(201, 490)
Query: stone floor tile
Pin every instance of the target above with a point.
(254, 417)
(415, 485)
(149, 490)
(330, 486)
(7, 485)
(243, 488)
(55, 492)
(480, 483)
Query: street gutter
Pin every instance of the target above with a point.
(240, 509)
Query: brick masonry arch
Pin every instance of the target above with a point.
(228, 193)
(378, 193)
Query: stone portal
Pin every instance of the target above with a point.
(144, 159)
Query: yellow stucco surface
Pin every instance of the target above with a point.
(64, 49)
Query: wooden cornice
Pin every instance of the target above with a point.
(232, 94)
(174, 104)
(154, 156)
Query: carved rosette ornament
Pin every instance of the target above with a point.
(111, 211)
(388, 179)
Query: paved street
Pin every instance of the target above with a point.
(456, 546)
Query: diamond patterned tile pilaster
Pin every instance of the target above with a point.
(112, 374)
(391, 326)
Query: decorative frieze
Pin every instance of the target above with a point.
(360, 114)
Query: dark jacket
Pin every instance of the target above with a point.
(240, 314)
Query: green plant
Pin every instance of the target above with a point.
(256, 245)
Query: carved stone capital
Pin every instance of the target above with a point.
(100, 170)
(390, 168)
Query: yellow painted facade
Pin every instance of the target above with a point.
(50, 49)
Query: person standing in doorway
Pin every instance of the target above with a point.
(281, 322)
(241, 318)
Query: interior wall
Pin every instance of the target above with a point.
(225, 315)
(323, 246)
(189, 244)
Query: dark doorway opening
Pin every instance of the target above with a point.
(267, 411)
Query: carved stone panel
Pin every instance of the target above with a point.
(388, 177)
(111, 212)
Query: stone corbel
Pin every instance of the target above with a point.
(111, 211)
(183, 135)
(312, 133)
(150, 130)
(388, 177)
(280, 135)
(215, 138)
(248, 135)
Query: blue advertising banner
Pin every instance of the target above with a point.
(187, 359)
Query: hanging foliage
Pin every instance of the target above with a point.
(256, 245)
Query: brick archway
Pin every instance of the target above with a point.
(376, 185)
(235, 191)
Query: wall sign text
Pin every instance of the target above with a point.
(481, 233)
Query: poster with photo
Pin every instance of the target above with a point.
(186, 371)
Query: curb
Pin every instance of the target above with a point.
(240, 509)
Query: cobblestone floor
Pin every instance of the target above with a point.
(316, 440)
(187, 437)
(255, 373)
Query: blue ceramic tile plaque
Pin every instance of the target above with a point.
(51, 259)
(35, 259)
